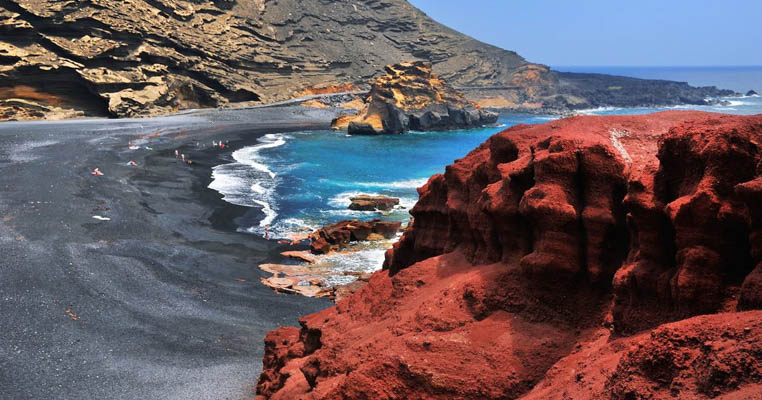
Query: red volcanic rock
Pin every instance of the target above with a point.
(531, 264)
(337, 236)
(661, 207)
(387, 229)
(435, 330)
(711, 356)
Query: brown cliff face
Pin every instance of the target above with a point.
(61, 59)
(411, 97)
(532, 264)
(141, 57)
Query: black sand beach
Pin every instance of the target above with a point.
(149, 304)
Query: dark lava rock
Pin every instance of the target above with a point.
(366, 202)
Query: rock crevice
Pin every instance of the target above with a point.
(555, 248)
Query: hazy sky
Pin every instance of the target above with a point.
(612, 32)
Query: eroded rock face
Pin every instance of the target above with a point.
(411, 97)
(543, 253)
(661, 204)
(140, 57)
(337, 236)
(711, 356)
(147, 57)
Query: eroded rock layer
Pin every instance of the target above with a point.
(61, 58)
(139, 57)
(551, 262)
(411, 97)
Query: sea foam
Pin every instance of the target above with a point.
(249, 181)
(404, 184)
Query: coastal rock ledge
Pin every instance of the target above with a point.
(586, 258)
(411, 97)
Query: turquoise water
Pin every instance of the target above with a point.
(304, 180)
(297, 182)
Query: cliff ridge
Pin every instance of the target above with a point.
(589, 257)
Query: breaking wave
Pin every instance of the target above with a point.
(249, 181)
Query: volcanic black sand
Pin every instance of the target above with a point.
(150, 304)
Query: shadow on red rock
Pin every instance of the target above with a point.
(532, 264)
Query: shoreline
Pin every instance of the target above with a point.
(163, 299)
(297, 102)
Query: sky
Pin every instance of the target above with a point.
(612, 32)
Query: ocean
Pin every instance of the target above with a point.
(297, 182)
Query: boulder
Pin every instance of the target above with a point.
(387, 229)
(373, 203)
(751, 93)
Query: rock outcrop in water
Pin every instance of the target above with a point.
(61, 59)
(365, 202)
(338, 236)
(411, 97)
(590, 257)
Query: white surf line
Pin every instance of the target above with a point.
(615, 135)
(241, 188)
(250, 155)
(404, 184)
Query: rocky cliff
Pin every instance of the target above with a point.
(590, 257)
(410, 97)
(60, 58)
(138, 57)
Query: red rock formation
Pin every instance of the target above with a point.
(530, 262)
(710, 356)
(337, 236)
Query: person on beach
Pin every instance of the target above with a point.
(176, 153)
(267, 232)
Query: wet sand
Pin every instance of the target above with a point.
(162, 301)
